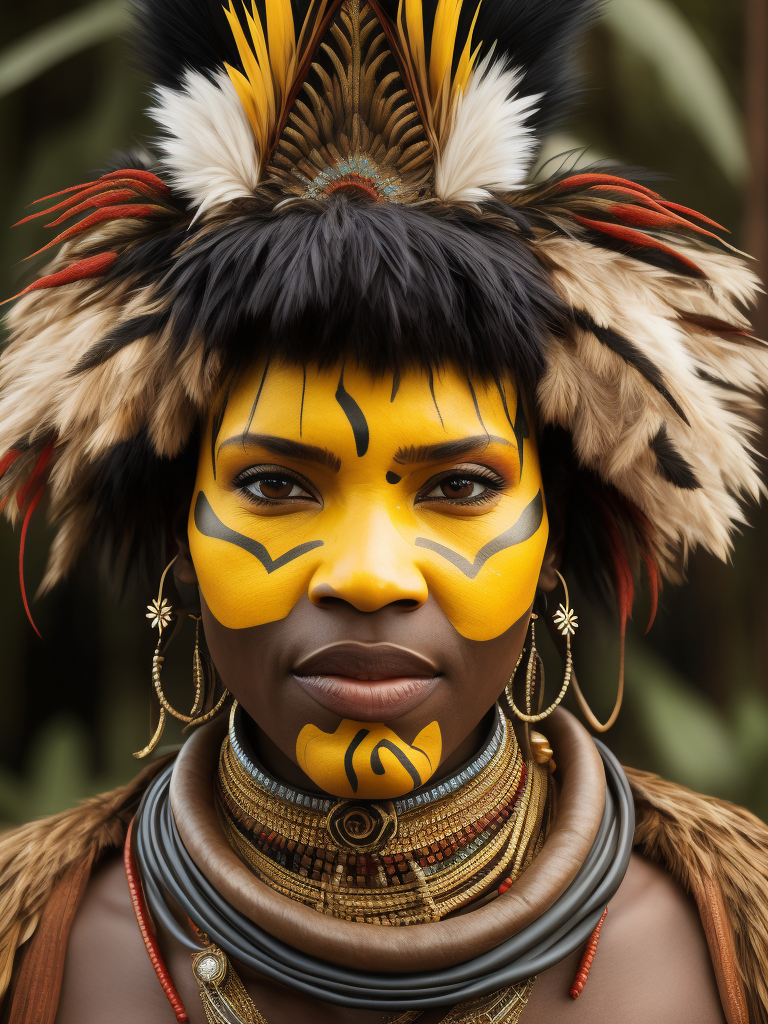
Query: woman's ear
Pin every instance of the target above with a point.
(183, 567)
(553, 552)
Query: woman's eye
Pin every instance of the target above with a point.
(276, 488)
(459, 487)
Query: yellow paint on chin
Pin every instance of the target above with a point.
(367, 541)
(367, 760)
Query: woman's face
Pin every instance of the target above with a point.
(367, 553)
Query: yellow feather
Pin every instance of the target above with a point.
(245, 93)
(414, 22)
(262, 57)
(467, 60)
(282, 41)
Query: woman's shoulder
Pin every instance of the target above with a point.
(45, 868)
(717, 852)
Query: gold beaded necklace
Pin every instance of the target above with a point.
(395, 862)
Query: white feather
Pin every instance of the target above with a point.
(208, 147)
(490, 145)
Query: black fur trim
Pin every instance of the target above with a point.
(382, 285)
(670, 463)
(630, 354)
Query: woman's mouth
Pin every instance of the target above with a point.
(367, 682)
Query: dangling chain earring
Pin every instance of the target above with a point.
(566, 621)
(161, 613)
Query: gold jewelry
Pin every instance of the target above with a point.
(161, 612)
(566, 621)
(226, 1000)
(437, 856)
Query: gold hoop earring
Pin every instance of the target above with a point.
(566, 622)
(161, 612)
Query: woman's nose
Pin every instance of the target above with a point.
(369, 565)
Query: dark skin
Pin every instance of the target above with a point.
(652, 930)
(473, 673)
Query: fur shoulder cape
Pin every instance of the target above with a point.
(718, 852)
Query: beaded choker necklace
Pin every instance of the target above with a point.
(396, 862)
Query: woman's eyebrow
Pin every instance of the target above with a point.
(286, 447)
(447, 450)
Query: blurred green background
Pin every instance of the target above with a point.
(678, 86)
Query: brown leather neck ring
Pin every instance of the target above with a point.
(420, 947)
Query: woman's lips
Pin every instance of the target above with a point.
(367, 682)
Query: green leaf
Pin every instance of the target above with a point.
(694, 86)
(29, 57)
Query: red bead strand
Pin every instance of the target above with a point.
(586, 961)
(140, 909)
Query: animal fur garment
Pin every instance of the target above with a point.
(704, 843)
(34, 857)
(348, 179)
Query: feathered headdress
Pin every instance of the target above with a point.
(349, 178)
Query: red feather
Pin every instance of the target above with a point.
(91, 266)
(37, 473)
(8, 460)
(643, 217)
(114, 195)
(98, 188)
(146, 176)
(626, 234)
(24, 527)
(108, 213)
(693, 213)
(579, 180)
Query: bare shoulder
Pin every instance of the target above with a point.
(652, 962)
(107, 973)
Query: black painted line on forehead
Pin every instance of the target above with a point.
(349, 768)
(521, 429)
(526, 526)
(209, 524)
(354, 414)
(216, 423)
(395, 385)
(258, 396)
(393, 478)
(301, 410)
(446, 450)
(432, 392)
(477, 407)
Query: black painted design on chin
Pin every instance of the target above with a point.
(432, 392)
(379, 769)
(258, 396)
(209, 524)
(393, 478)
(350, 753)
(530, 520)
(354, 414)
(521, 429)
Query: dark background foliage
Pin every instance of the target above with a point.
(677, 86)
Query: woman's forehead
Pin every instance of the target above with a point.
(358, 409)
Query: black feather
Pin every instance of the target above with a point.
(630, 354)
(670, 463)
(383, 285)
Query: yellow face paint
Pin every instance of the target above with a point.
(367, 760)
(364, 515)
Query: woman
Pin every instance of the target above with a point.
(363, 393)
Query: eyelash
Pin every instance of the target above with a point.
(257, 473)
(483, 475)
